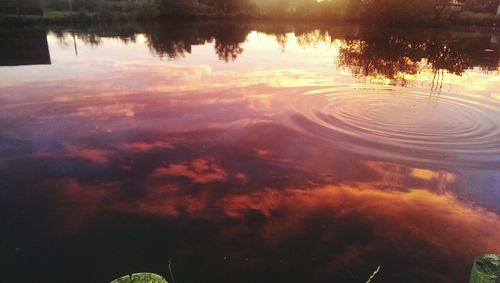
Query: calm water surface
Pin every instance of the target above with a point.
(248, 152)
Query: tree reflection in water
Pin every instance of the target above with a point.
(395, 56)
(174, 41)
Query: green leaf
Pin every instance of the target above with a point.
(486, 269)
(140, 278)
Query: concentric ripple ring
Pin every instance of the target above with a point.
(395, 123)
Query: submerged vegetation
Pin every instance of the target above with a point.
(392, 12)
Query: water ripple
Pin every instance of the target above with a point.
(404, 124)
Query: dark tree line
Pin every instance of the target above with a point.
(384, 11)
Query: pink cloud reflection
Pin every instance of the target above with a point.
(199, 171)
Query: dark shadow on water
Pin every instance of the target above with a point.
(23, 47)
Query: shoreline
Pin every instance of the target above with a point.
(466, 19)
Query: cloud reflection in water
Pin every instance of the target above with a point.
(205, 162)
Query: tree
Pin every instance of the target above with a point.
(403, 11)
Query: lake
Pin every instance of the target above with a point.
(248, 152)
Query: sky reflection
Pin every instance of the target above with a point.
(254, 152)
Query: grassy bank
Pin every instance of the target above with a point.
(64, 17)
(468, 18)
(51, 17)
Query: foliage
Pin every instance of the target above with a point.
(482, 6)
(486, 269)
(385, 12)
(402, 11)
(470, 18)
(76, 5)
(148, 9)
(140, 278)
